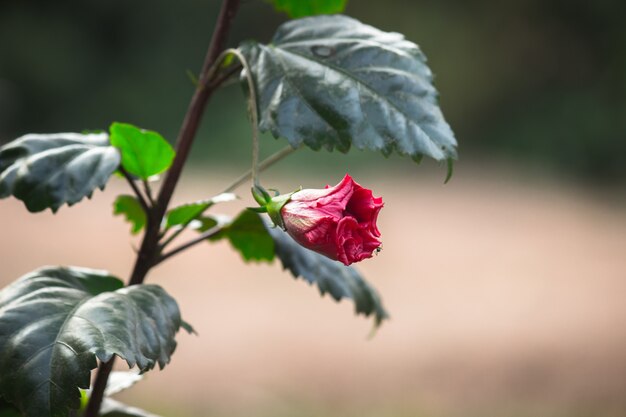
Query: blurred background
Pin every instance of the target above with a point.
(506, 286)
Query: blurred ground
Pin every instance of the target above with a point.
(506, 296)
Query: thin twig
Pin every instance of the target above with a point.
(200, 238)
(148, 191)
(254, 113)
(267, 162)
(173, 236)
(140, 198)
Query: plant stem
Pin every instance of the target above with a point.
(148, 252)
(148, 191)
(254, 114)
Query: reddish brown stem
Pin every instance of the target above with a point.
(149, 251)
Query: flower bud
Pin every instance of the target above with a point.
(338, 222)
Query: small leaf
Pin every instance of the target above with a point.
(47, 171)
(185, 213)
(144, 153)
(55, 322)
(248, 235)
(330, 276)
(301, 8)
(130, 207)
(333, 82)
(204, 223)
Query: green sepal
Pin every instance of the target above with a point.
(260, 195)
(258, 209)
(275, 205)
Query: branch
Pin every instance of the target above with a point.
(148, 191)
(267, 162)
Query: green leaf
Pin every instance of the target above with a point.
(248, 235)
(47, 171)
(130, 207)
(301, 8)
(204, 223)
(330, 276)
(333, 82)
(55, 322)
(144, 153)
(185, 213)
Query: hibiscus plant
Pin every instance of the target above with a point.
(325, 81)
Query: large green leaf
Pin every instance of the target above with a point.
(47, 171)
(330, 276)
(55, 322)
(301, 8)
(144, 153)
(333, 82)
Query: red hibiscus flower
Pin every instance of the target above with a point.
(338, 222)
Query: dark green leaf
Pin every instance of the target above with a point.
(248, 235)
(55, 322)
(47, 171)
(144, 153)
(130, 207)
(333, 82)
(330, 276)
(185, 213)
(113, 408)
(301, 8)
